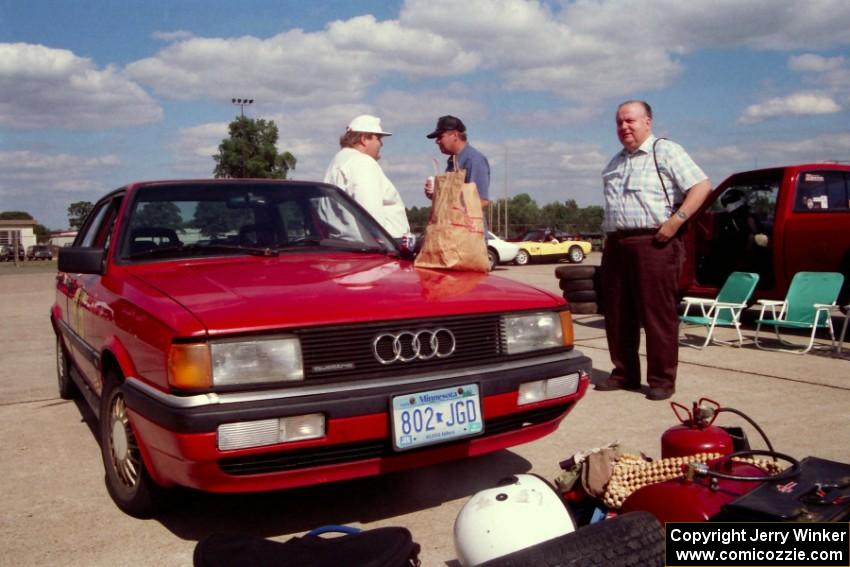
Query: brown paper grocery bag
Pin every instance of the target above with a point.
(454, 237)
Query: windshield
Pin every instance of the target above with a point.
(179, 220)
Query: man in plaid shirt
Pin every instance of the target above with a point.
(643, 253)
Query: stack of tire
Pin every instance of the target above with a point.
(581, 287)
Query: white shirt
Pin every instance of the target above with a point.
(360, 176)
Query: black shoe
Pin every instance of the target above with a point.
(610, 384)
(658, 394)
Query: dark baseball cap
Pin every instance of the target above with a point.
(447, 123)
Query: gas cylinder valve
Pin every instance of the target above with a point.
(694, 469)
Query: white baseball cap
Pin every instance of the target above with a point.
(367, 124)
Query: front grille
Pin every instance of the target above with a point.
(338, 454)
(345, 352)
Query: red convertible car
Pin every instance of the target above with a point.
(249, 335)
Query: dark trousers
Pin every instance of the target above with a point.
(639, 286)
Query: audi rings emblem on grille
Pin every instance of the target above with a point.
(407, 346)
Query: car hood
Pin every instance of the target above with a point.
(254, 293)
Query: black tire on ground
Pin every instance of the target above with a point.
(576, 285)
(580, 296)
(597, 285)
(67, 389)
(571, 272)
(584, 308)
(522, 257)
(493, 258)
(127, 478)
(576, 254)
(631, 539)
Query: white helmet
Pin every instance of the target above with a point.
(524, 510)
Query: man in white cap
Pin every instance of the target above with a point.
(355, 170)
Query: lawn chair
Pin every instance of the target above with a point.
(808, 304)
(724, 310)
(844, 327)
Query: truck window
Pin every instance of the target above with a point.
(822, 191)
(736, 231)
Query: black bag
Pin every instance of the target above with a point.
(380, 547)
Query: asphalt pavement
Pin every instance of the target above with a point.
(56, 511)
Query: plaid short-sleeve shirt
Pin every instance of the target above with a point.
(634, 197)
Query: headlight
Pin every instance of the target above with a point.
(256, 361)
(536, 331)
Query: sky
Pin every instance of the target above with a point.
(96, 94)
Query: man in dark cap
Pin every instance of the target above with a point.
(450, 136)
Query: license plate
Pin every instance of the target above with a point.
(436, 416)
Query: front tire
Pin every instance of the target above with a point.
(493, 258)
(576, 254)
(127, 478)
(522, 257)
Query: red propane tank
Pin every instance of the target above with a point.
(695, 434)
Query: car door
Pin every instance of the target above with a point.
(83, 293)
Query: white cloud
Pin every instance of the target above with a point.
(831, 72)
(424, 105)
(561, 117)
(58, 170)
(297, 67)
(178, 35)
(45, 184)
(53, 88)
(193, 148)
(797, 104)
(812, 63)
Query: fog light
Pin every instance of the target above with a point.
(244, 434)
(542, 390)
(531, 392)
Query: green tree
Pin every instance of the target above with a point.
(42, 233)
(590, 219)
(418, 218)
(15, 215)
(77, 213)
(162, 214)
(523, 213)
(251, 151)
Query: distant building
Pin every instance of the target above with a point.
(17, 231)
(62, 238)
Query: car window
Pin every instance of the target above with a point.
(759, 196)
(97, 230)
(822, 191)
(174, 220)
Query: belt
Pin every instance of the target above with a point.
(627, 232)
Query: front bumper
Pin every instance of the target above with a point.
(177, 435)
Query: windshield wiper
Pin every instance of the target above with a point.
(193, 248)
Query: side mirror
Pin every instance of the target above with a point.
(82, 260)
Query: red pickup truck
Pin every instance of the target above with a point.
(776, 222)
(249, 335)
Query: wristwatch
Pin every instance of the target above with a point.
(682, 214)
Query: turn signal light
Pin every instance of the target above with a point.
(189, 366)
(567, 327)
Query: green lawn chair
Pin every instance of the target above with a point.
(808, 304)
(724, 310)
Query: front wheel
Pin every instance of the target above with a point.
(492, 258)
(576, 254)
(127, 479)
(522, 258)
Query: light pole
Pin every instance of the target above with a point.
(242, 103)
